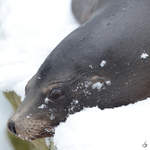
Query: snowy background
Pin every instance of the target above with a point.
(29, 31)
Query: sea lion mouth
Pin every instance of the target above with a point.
(47, 132)
(31, 129)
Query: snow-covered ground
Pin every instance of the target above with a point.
(123, 128)
(29, 30)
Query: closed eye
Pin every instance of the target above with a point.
(55, 93)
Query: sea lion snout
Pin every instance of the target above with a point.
(29, 129)
(39, 113)
(31, 126)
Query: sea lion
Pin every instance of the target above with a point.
(104, 63)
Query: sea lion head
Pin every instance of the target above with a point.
(99, 64)
(61, 87)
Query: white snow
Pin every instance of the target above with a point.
(75, 101)
(97, 85)
(108, 83)
(29, 31)
(28, 117)
(144, 55)
(52, 117)
(122, 128)
(103, 63)
(46, 100)
(91, 67)
(42, 106)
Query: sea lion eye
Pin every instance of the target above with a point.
(55, 93)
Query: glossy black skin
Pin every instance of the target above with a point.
(119, 35)
(118, 32)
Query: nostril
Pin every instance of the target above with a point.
(11, 127)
